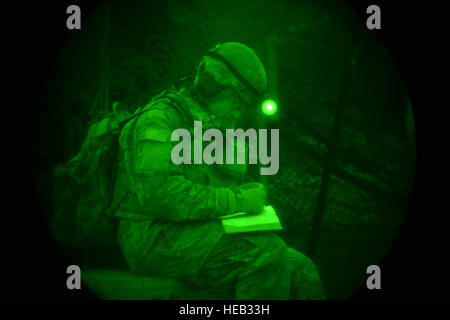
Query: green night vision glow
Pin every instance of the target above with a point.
(269, 107)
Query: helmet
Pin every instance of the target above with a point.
(232, 64)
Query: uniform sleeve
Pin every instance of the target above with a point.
(160, 186)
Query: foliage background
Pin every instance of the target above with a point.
(129, 51)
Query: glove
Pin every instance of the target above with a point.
(251, 198)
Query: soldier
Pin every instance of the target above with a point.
(168, 213)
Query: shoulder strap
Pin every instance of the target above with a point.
(174, 101)
(133, 116)
(178, 103)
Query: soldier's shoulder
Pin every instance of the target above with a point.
(160, 113)
(157, 119)
(157, 123)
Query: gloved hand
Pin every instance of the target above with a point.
(251, 198)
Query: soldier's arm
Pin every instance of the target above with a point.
(160, 185)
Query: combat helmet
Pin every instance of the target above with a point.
(232, 64)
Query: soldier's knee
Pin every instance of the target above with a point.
(301, 261)
(298, 257)
(306, 281)
(272, 249)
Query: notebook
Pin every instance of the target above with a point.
(244, 222)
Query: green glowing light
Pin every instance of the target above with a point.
(269, 107)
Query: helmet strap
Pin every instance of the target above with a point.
(235, 72)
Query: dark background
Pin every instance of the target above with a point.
(414, 267)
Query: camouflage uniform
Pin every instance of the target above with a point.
(168, 224)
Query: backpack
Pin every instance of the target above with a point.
(83, 186)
